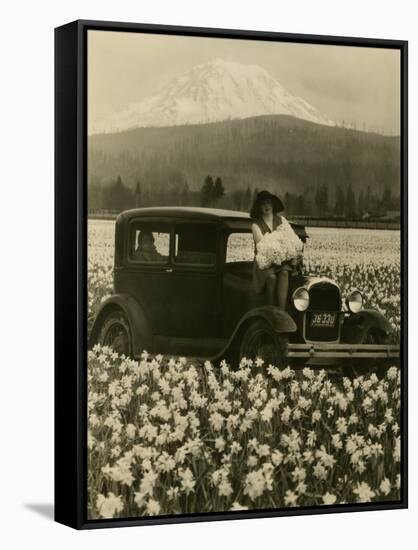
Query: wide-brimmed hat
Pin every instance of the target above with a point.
(266, 196)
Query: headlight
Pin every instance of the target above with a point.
(355, 301)
(301, 299)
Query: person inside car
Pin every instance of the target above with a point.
(146, 250)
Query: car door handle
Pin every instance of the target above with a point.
(169, 270)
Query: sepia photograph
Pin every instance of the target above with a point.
(244, 284)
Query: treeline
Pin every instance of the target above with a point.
(320, 200)
(275, 152)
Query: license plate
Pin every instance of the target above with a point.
(323, 319)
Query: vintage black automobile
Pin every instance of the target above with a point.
(182, 281)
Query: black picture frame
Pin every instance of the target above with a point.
(71, 269)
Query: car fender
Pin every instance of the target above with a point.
(279, 320)
(357, 325)
(141, 331)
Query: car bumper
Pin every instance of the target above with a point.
(343, 352)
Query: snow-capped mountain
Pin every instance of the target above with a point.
(210, 92)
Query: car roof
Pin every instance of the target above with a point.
(195, 212)
(232, 219)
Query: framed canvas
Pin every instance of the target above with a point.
(230, 274)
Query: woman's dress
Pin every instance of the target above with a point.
(260, 276)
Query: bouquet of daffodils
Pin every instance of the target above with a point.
(281, 245)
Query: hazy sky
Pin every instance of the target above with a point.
(351, 84)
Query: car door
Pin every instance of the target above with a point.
(193, 303)
(147, 276)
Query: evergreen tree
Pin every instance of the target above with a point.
(95, 193)
(219, 190)
(138, 194)
(318, 200)
(255, 193)
(386, 198)
(287, 203)
(324, 200)
(184, 196)
(207, 191)
(321, 200)
(339, 201)
(361, 207)
(118, 197)
(350, 202)
(369, 200)
(247, 199)
(301, 207)
(238, 199)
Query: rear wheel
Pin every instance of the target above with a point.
(115, 332)
(260, 341)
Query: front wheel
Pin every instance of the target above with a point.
(260, 341)
(115, 332)
(376, 366)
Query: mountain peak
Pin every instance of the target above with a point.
(209, 92)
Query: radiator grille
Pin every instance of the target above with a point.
(324, 298)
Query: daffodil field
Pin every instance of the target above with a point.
(168, 436)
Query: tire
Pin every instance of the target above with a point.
(373, 336)
(376, 336)
(261, 341)
(115, 332)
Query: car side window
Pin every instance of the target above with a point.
(195, 244)
(240, 248)
(149, 243)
